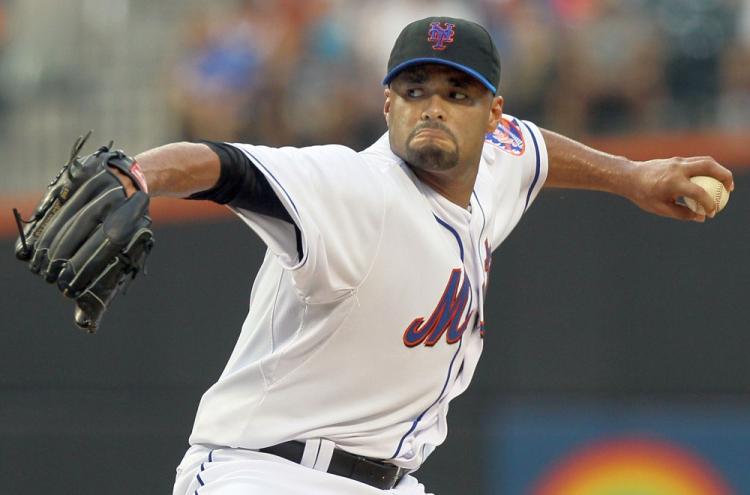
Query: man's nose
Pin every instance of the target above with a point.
(433, 109)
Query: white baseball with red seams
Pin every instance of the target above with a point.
(714, 188)
(366, 339)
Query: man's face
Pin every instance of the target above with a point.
(438, 116)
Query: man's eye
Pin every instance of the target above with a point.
(458, 96)
(414, 92)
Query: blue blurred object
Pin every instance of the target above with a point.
(230, 63)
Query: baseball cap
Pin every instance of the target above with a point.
(457, 43)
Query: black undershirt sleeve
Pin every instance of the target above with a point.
(242, 185)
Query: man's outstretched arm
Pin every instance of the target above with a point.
(211, 171)
(177, 169)
(653, 185)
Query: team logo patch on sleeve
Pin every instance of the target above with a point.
(508, 137)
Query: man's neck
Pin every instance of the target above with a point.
(455, 185)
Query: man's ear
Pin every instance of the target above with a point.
(387, 106)
(496, 113)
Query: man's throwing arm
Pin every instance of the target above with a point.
(653, 185)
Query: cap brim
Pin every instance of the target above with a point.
(419, 61)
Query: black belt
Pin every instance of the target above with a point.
(365, 470)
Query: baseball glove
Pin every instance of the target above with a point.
(86, 235)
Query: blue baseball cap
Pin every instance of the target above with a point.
(458, 43)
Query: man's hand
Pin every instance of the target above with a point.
(127, 183)
(657, 185)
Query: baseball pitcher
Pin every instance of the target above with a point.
(366, 318)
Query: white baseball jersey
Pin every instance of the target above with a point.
(366, 339)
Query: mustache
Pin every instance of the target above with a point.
(431, 125)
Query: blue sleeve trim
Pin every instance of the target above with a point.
(538, 166)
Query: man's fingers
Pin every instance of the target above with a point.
(701, 196)
(679, 185)
(679, 212)
(705, 165)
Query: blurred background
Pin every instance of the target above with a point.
(617, 342)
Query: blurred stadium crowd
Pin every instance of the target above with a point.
(308, 71)
(580, 66)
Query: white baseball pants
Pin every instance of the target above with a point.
(226, 471)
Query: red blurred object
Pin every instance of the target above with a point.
(575, 10)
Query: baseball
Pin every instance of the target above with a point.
(714, 188)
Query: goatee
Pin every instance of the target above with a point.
(431, 156)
